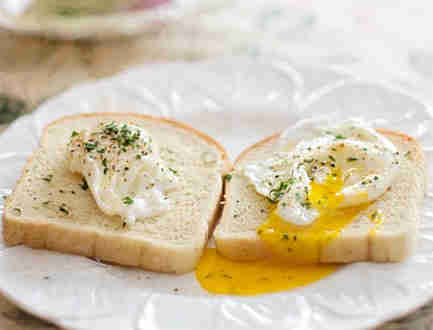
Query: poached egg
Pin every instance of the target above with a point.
(321, 184)
(339, 166)
(121, 166)
(318, 184)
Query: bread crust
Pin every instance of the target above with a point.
(345, 249)
(117, 248)
(227, 163)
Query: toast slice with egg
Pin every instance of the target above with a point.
(53, 208)
(390, 240)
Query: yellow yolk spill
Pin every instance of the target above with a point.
(221, 275)
(296, 249)
(303, 244)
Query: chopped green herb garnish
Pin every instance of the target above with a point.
(63, 209)
(90, 146)
(84, 185)
(128, 200)
(104, 162)
(271, 200)
(74, 133)
(111, 128)
(101, 151)
(352, 159)
(340, 137)
(276, 194)
(376, 178)
(228, 177)
(138, 156)
(306, 204)
(48, 178)
(331, 158)
(124, 136)
(172, 170)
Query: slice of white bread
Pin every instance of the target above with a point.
(48, 209)
(392, 241)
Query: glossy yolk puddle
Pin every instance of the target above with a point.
(218, 274)
(296, 249)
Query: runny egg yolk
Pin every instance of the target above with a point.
(327, 196)
(296, 249)
(303, 244)
(221, 275)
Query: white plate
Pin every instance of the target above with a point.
(237, 101)
(124, 23)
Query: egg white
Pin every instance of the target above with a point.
(145, 179)
(367, 160)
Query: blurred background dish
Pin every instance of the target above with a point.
(96, 19)
(46, 8)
